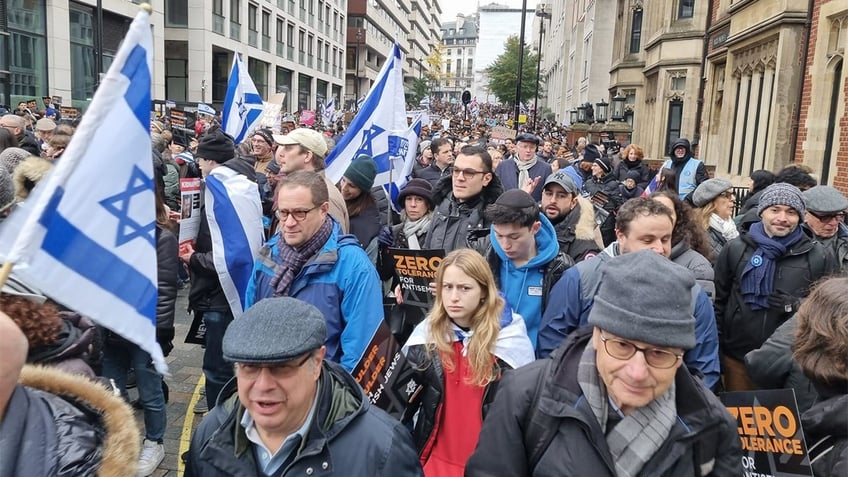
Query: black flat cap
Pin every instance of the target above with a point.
(275, 330)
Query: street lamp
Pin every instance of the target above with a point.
(617, 109)
(356, 79)
(543, 14)
(573, 116)
(581, 113)
(601, 116)
(517, 110)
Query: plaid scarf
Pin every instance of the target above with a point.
(638, 436)
(293, 259)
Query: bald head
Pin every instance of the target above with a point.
(13, 123)
(15, 347)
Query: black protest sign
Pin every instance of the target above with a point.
(769, 427)
(197, 331)
(416, 269)
(384, 374)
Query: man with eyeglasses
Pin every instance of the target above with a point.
(825, 219)
(309, 258)
(293, 412)
(461, 198)
(614, 399)
(17, 126)
(762, 276)
(641, 224)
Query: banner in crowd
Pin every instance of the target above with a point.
(416, 269)
(271, 111)
(307, 117)
(384, 374)
(242, 103)
(769, 427)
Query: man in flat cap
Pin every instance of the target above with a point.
(527, 168)
(294, 413)
(614, 400)
(826, 208)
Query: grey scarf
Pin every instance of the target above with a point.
(638, 436)
(413, 229)
(524, 170)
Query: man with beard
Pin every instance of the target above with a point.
(689, 171)
(572, 216)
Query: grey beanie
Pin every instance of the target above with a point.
(644, 296)
(275, 330)
(7, 189)
(12, 156)
(781, 193)
(825, 199)
(708, 190)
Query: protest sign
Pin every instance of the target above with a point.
(769, 427)
(272, 110)
(502, 133)
(189, 227)
(384, 374)
(416, 269)
(307, 117)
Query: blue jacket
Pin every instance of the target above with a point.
(571, 300)
(340, 281)
(507, 171)
(522, 286)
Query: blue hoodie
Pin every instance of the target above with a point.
(522, 286)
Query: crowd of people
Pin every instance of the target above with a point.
(586, 313)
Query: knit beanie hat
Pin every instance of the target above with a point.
(216, 146)
(645, 297)
(420, 187)
(7, 189)
(708, 190)
(635, 175)
(781, 193)
(362, 172)
(605, 164)
(11, 157)
(591, 152)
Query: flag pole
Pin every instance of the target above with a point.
(389, 195)
(5, 271)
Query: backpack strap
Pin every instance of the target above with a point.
(539, 433)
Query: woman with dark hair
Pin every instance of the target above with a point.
(667, 180)
(689, 244)
(460, 352)
(757, 183)
(821, 349)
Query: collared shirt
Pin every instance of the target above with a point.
(271, 462)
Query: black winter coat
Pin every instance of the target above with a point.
(704, 435)
(742, 329)
(427, 405)
(460, 225)
(206, 293)
(168, 263)
(641, 167)
(347, 437)
(826, 425)
(575, 233)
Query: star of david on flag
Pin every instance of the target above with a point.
(380, 130)
(86, 235)
(242, 103)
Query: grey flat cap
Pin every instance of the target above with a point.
(275, 330)
(825, 199)
(708, 190)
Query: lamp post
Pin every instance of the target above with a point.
(543, 14)
(356, 79)
(601, 116)
(517, 110)
(617, 109)
(573, 116)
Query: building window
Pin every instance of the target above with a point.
(281, 35)
(82, 51)
(304, 91)
(675, 122)
(28, 60)
(259, 73)
(587, 49)
(176, 13)
(218, 7)
(251, 17)
(685, 9)
(235, 16)
(218, 16)
(176, 76)
(636, 31)
(266, 30)
(284, 80)
(678, 83)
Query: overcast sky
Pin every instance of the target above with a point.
(451, 7)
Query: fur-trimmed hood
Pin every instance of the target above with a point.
(27, 175)
(121, 435)
(585, 227)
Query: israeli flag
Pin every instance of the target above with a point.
(329, 111)
(87, 235)
(234, 214)
(380, 130)
(242, 104)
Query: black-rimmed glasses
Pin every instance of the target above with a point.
(299, 215)
(624, 350)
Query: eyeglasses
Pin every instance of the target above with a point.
(299, 215)
(839, 216)
(624, 350)
(252, 371)
(469, 174)
(728, 195)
